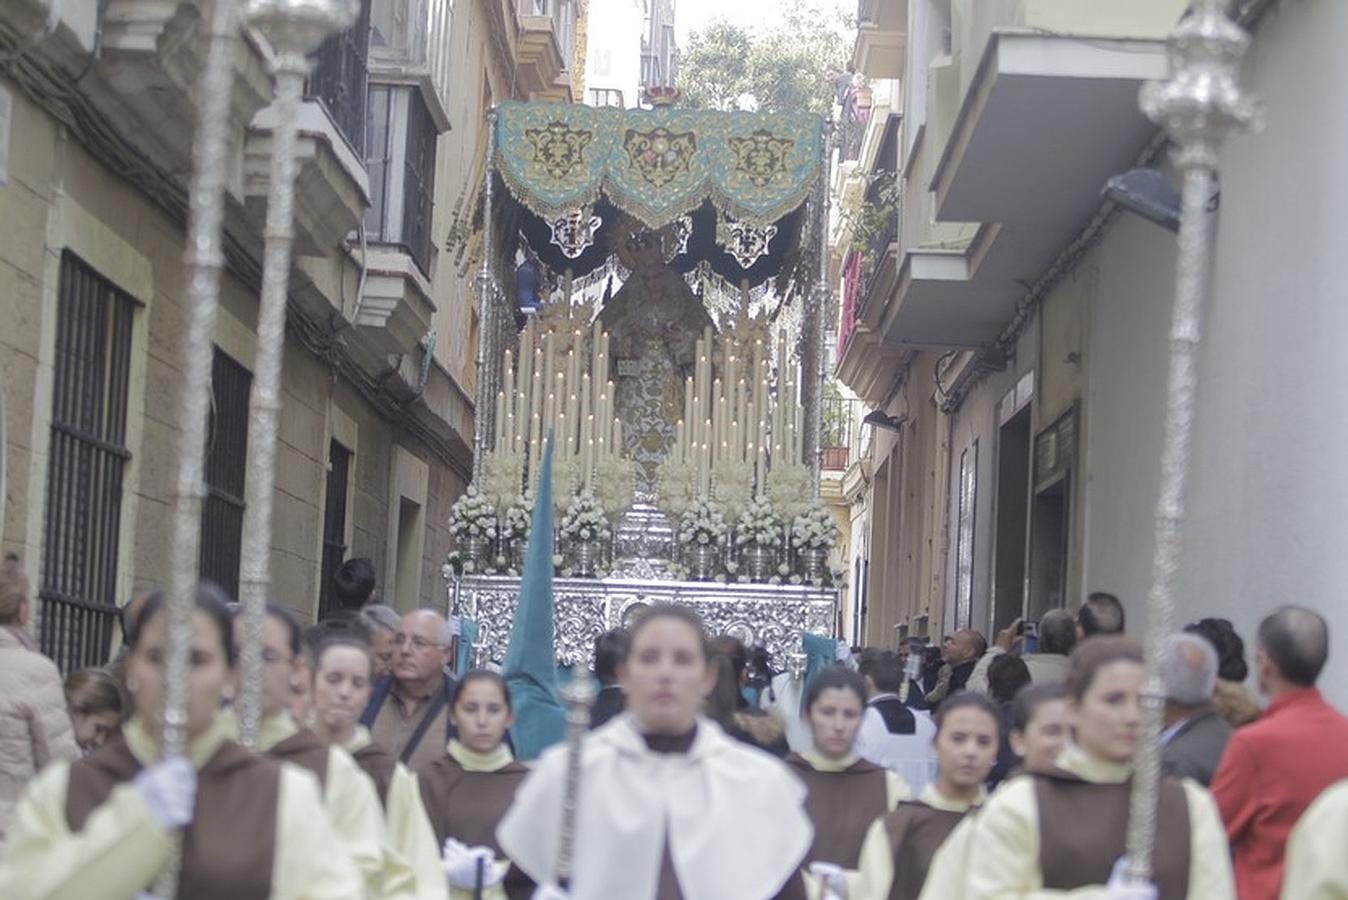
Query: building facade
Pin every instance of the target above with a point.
(96, 123)
(1014, 323)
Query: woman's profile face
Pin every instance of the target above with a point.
(665, 676)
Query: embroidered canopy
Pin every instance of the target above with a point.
(658, 164)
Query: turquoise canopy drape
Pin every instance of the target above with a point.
(658, 164)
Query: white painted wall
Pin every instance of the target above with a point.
(1269, 488)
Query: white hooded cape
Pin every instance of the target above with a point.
(736, 822)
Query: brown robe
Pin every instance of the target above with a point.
(379, 763)
(1072, 856)
(916, 831)
(468, 806)
(307, 750)
(842, 806)
(229, 848)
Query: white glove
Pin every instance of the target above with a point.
(169, 789)
(831, 880)
(1121, 887)
(550, 892)
(463, 863)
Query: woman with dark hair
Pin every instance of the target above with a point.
(846, 793)
(1006, 676)
(251, 828)
(727, 707)
(349, 796)
(668, 805)
(94, 701)
(1064, 829)
(899, 847)
(468, 790)
(342, 674)
(1230, 697)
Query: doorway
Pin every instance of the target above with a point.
(1013, 493)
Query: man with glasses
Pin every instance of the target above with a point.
(409, 708)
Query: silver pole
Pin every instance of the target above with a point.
(486, 330)
(1198, 106)
(579, 697)
(202, 262)
(816, 323)
(293, 28)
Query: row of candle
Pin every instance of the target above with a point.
(552, 390)
(728, 418)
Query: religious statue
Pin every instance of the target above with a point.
(655, 321)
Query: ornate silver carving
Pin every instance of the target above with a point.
(680, 230)
(587, 608)
(574, 234)
(1198, 106)
(643, 544)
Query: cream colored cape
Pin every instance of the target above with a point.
(733, 816)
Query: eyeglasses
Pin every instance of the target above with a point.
(418, 642)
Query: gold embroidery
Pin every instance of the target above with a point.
(660, 156)
(760, 156)
(557, 148)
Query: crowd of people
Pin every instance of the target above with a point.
(960, 770)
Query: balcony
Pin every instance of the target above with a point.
(881, 38)
(547, 30)
(150, 60)
(331, 187)
(341, 68)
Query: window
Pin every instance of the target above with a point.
(603, 61)
(226, 468)
(338, 80)
(87, 458)
(606, 97)
(401, 163)
(964, 550)
(334, 524)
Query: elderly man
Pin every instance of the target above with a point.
(1195, 736)
(409, 708)
(1274, 768)
(961, 654)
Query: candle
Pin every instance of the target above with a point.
(572, 374)
(617, 434)
(563, 439)
(587, 462)
(549, 413)
(696, 421)
(499, 437)
(678, 441)
(688, 399)
(573, 416)
(586, 420)
(549, 361)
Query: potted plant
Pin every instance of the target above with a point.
(759, 537)
(701, 532)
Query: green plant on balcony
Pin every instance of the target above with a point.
(875, 220)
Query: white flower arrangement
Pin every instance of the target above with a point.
(566, 478)
(815, 529)
(703, 523)
(472, 516)
(790, 488)
(518, 518)
(502, 475)
(733, 487)
(615, 485)
(585, 520)
(677, 488)
(759, 524)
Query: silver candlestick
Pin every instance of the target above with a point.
(579, 697)
(1198, 106)
(293, 28)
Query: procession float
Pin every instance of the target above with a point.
(664, 323)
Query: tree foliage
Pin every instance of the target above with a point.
(779, 67)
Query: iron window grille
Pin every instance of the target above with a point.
(401, 165)
(334, 525)
(341, 69)
(86, 463)
(226, 472)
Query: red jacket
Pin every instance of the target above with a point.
(1271, 771)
